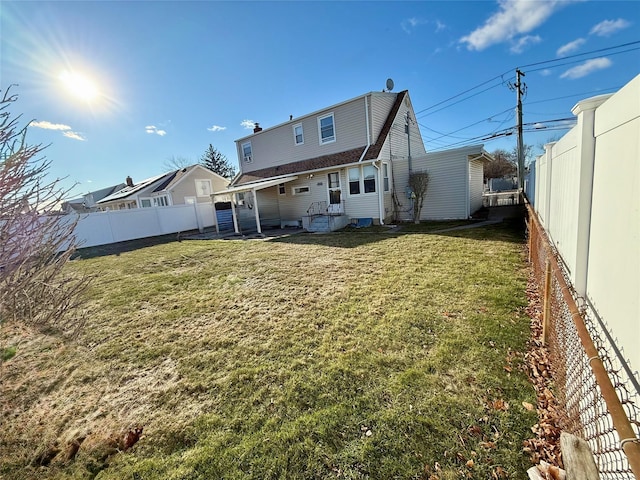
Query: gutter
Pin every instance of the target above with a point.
(380, 192)
(366, 117)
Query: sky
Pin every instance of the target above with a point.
(118, 88)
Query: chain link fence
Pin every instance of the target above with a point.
(595, 388)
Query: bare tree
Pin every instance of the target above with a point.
(418, 182)
(176, 163)
(36, 241)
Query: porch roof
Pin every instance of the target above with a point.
(257, 185)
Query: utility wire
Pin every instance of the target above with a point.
(578, 55)
(581, 60)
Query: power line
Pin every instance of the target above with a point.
(581, 60)
(575, 95)
(578, 55)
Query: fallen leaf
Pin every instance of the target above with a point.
(528, 406)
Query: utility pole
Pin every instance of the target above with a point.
(519, 88)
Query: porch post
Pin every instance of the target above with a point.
(233, 213)
(255, 209)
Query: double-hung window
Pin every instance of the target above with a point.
(354, 181)
(362, 180)
(326, 129)
(298, 136)
(247, 154)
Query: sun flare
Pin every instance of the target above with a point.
(79, 85)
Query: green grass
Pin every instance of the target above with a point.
(314, 356)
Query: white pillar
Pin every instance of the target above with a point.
(255, 209)
(586, 113)
(233, 213)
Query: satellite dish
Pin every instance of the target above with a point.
(389, 84)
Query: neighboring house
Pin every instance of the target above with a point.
(193, 184)
(87, 203)
(341, 163)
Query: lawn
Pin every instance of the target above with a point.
(350, 355)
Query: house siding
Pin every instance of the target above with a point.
(187, 186)
(379, 104)
(476, 185)
(269, 207)
(294, 207)
(276, 145)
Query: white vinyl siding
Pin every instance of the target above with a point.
(294, 207)
(275, 146)
(476, 185)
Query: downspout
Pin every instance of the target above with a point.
(380, 192)
(366, 117)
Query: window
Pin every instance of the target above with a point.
(369, 178)
(362, 180)
(334, 180)
(189, 200)
(301, 190)
(282, 189)
(162, 201)
(326, 129)
(246, 152)
(145, 202)
(298, 137)
(240, 198)
(203, 188)
(385, 176)
(354, 181)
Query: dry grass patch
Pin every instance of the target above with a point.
(315, 356)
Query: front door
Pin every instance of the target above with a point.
(335, 194)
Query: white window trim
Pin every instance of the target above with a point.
(206, 180)
(293, 190)
(146, 198)
(333, 121)
(361, 183)
(295, 140)
(247, 158)
(386, 186)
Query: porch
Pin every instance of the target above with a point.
(323, 217)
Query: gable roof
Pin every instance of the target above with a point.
(129, 191)
(332, 160)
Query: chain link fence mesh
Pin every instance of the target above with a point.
(584, 410)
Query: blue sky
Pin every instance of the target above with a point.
(170, 78)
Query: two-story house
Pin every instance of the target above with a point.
(348, 161)
(193, 184)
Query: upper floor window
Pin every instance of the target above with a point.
(246, 152)
(298, 136)
(203, 188)
(326, 129)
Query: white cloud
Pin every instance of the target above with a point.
(523, 42)
(50, 126)
(74, 135)
(216, 128)
(440, 26)
(570, 47)
(515, 17)
(248, 124)
(153, 129)
(546, 72)
(409, 24)
(609, 27)
(587, 67)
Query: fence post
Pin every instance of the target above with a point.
(546, 311)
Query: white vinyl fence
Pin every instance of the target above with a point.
(587, 197)
(101, 228)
